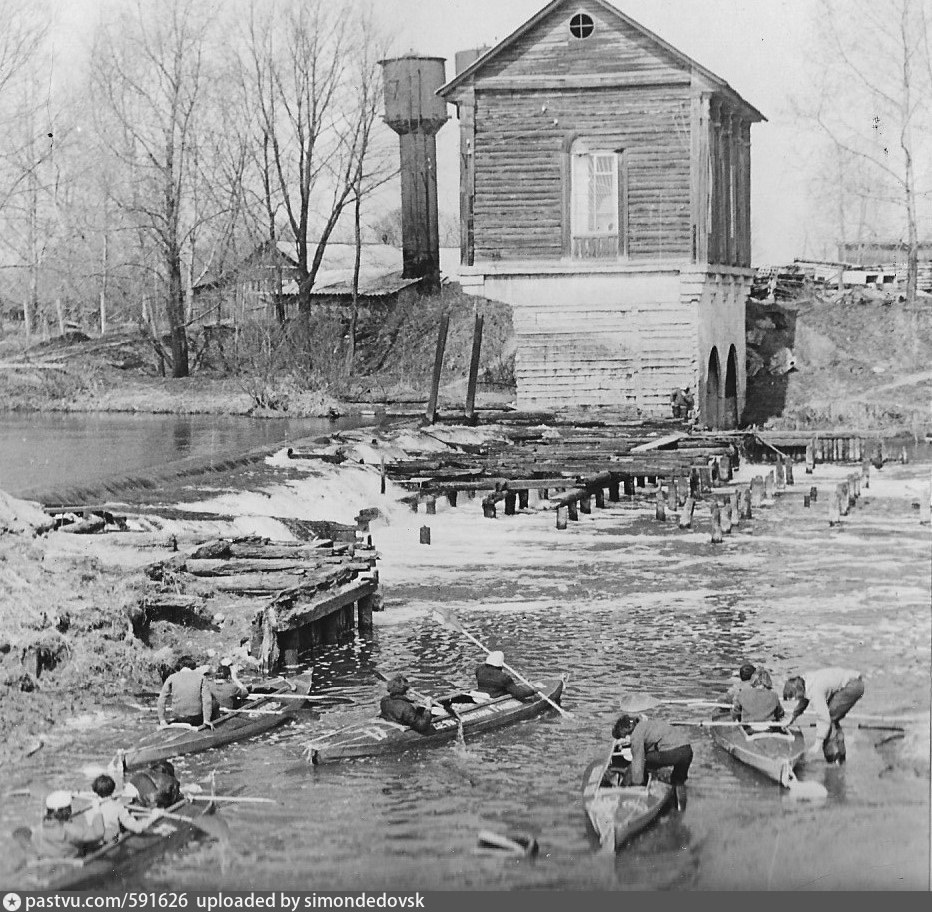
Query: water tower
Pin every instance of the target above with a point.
(416, 113)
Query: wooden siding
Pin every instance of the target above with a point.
(521, 140)
(613, 47)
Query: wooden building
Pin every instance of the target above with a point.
(605, 195)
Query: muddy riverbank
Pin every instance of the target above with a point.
(620, 601)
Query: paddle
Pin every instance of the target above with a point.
(243, 799)
(640, 701)
(446, 619)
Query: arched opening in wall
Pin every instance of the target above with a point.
(710, 412)
(730, 403)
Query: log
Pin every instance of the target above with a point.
(717, 534)
(757, 492)
(660, 508)
(726, 517)
(210, 567)
(686, 514)
(746, 503)
(562, 517)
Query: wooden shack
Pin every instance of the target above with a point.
(605, 195)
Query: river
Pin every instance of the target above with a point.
(41, 450)
(619, 601)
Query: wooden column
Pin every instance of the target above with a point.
(585, 503)
(364, 608)
(524, 497)
(700, 134)
(474, 369)
(728, 187)
(717, 534)
(715, 189)
(614, 495)
(600, 498)
(431, 414)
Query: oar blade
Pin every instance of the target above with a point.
(807, 790)
(637, 701)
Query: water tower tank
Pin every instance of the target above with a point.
(411, 99)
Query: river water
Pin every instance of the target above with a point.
(44, 450)
(619, 601)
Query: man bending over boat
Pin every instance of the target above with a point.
(758, 703)
(491, 678)
(191, 696)
(398, 707)
(62, 835)
(655, 745)
(829, 693)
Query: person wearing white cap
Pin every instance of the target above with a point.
(63, 836)
(192, 700)
(491, 678)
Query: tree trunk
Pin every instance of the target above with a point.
(354, 317)
(176, 318)
(103, 282)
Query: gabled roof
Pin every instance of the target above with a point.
(716, 82)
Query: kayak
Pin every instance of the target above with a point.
(120, 857)
(377, 737)
(176, 741)
(768, 749)
(618, 813)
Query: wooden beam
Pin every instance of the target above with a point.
(474, 368)
(438, 367)
(290, 617)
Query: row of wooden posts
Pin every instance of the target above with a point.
(676, 496)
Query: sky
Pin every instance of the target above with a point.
(758, 46)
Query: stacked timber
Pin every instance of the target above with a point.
(283, 596)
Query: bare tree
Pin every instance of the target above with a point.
(152, 80)
(315, 113)
(875, 106)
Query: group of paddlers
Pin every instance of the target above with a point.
(644, 744)
(828, 693)
(75, 824)
(200, 693)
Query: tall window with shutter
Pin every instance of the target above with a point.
(597, 202)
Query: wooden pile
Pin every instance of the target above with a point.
(286, 597)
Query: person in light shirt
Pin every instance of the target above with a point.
(829, 693)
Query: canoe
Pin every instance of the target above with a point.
(377, 737)
(165, 743)
(773, 752)
(128, 852)
(619, 813)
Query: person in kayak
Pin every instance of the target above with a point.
(113, 810)
(491, 678)
(157, 786)
(829, 693)
(398, 707)
(758, 703)
(62, 835)
(227, 689)
(745, 673)
(191, 698)
(655, 745)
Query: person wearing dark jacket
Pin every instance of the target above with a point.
(491, 678)
(398, 707)
(655, 745)
(157, 786)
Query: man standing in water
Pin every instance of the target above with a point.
(655, 745)
(192, 700)
(829, 693)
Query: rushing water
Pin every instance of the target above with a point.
(620, 602)
(42, 451)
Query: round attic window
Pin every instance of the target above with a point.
(581, 25)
